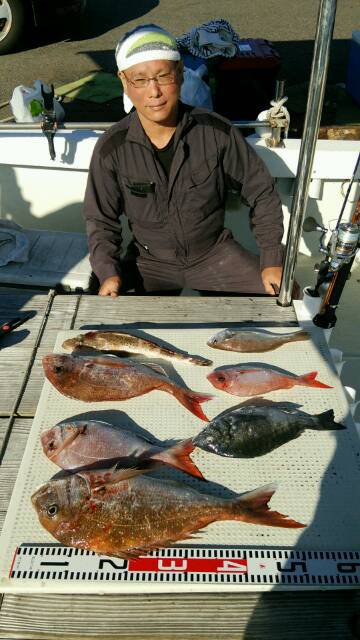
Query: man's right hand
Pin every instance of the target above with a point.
(110, 287)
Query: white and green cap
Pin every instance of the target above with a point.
(143, 44)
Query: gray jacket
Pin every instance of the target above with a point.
(179, 219)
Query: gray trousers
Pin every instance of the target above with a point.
(227, 267)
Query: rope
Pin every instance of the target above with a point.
(13, 413)
(278, 115)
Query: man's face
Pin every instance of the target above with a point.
(154, 102)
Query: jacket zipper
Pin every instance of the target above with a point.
(144, 246)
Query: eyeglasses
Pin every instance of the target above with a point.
(161, 78)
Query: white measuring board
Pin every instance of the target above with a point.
(318, 477)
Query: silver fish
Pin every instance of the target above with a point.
(79, 443)
(248, 341)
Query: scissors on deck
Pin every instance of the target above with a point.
(10, 325)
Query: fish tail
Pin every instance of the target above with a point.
(299, 336)
(178, 456)
(308, 380)
(192, 400)
(325, 421)
(253, 507)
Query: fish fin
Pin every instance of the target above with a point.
(300, 335)
(230, 333)
(203, 362)
(99, 479)
(178, 456)
(326, 422)
(191, 400)
(253, 507)
(155, 367)
(308, 380)
(107, 360)
(134, 553)
(122, 353)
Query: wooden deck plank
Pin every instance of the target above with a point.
(13, 456)
(184, 309)
(60, 319)
(16, 348)
(247, 616)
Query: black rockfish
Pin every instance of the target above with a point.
(251, 430)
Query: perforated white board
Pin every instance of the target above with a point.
(318, 473)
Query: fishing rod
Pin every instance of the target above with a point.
(340, 252)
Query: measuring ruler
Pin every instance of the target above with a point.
(198, 565)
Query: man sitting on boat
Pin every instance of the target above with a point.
(168, 167)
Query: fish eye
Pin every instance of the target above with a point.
(52, 510)
(58, 369)
(51, 444)
(221, 377)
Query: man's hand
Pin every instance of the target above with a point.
(110, 287)
(271, 277)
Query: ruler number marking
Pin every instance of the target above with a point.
(293, 567)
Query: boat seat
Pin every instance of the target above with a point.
(57, 259)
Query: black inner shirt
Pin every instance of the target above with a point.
(165, 155)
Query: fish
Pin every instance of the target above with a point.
(128, 343)
(135, 515)
(243, 381)
(250, 431)
(253, 341)
(96, 379)
(80, 443)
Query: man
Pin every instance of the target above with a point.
(168, 167)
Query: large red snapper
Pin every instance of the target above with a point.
(106, 378)
(81, 443)
(243, 381)
(135, 515)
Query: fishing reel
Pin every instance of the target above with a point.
(334, 270)
(340, 249)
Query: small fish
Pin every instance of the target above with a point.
(127, 343)
(81, 443)
(253, 341)
(132, 516)
(241, 381)
(251, 431)
(106, 378)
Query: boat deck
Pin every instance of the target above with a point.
(290, 615)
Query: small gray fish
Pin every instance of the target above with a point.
(248, 341)
(127, 343)
(252, 430)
